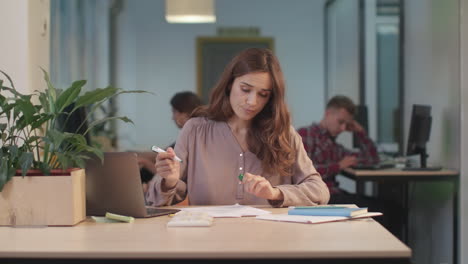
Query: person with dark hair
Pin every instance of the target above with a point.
(241, 147)
(183, 104)
(328, 156)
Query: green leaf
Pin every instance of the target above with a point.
(74, 143)
(40, 120)
(135, 91)
(51, 92)
(64, 161)
(47, 79)
(6, 109)
(12, 90)
(3, 173)
(26, 161)
(96, 152)
(95, 96)
(11, 173)
(31, 139)
(80, 162)
(21, 123)
(27, 109)
(97, 122)
(8, 77)
(7, 171)
(54, 138)
(69, 95)
(13, 150)
(22, 118)
(44, 102)
(44, 167)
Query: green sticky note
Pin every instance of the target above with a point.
(103, 219)
(241, 176)
(121, 218)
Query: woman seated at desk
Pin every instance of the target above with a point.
(241, 147)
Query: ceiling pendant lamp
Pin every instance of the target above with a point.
(190, 11)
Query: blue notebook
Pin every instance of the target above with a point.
(327, 211)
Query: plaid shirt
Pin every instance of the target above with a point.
(325, 153)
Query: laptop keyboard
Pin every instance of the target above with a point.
(151, 211)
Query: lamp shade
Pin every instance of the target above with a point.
(190, 11)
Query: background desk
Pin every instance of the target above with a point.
(231, 239)
(404, 178)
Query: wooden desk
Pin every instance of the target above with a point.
(361, 176)
(229, 239)
(404, 178)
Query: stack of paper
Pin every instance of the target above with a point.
(319, 214)
(307, 219)
(228, 210)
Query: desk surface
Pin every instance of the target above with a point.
(231, 238)
(404, 178)
(393, 172)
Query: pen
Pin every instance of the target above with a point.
(160, 150)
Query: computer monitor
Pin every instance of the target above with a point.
(362, 118)
(419, 134)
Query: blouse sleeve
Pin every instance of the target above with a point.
(307, 186)
(156, 196)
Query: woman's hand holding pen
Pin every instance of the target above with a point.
(261, 187)
(168, 168)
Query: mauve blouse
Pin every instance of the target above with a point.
(213, 159)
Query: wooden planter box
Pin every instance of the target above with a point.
(58, 200)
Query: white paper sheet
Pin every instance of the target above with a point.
(307, 219)
(228, 210)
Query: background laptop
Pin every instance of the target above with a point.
(115, 187)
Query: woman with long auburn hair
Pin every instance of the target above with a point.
(241, 147)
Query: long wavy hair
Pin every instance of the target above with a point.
(269, 137)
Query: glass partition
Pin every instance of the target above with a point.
(363, 61)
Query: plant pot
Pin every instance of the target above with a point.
(38, 200)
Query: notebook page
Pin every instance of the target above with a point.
(228, 210)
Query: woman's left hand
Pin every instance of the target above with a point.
(261, 187)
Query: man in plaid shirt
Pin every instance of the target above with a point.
(328, 156)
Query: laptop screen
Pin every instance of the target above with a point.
(115, 185)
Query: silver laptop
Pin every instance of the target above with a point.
(115, 187)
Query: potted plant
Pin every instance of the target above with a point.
(33, 142)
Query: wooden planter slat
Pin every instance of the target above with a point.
(44, 200)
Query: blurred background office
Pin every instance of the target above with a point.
(385, 54)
